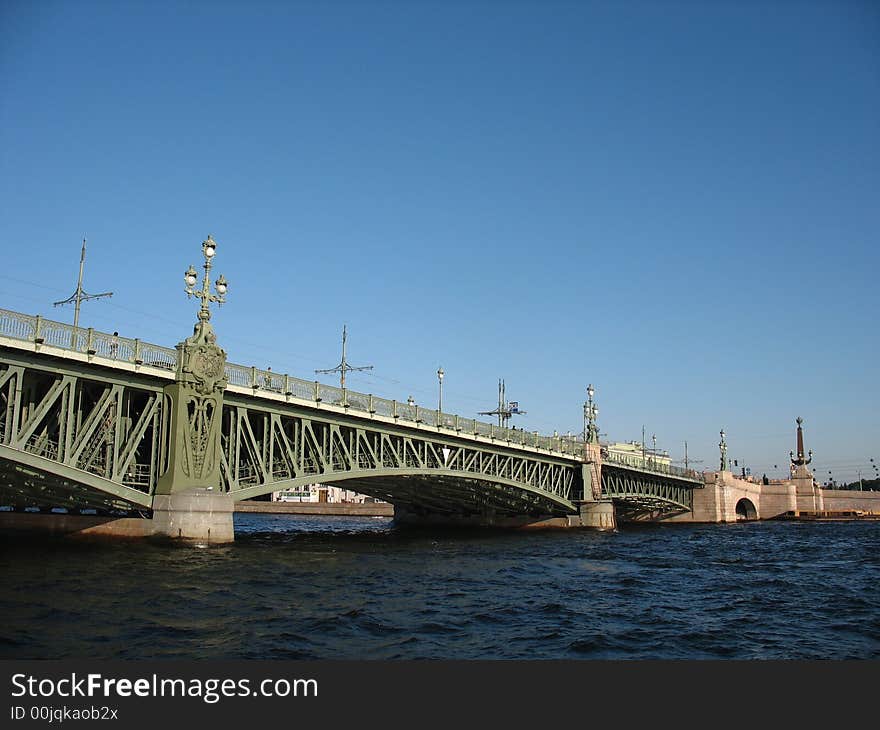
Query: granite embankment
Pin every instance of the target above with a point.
(350, 509)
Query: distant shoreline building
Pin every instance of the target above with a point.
(635, 453)
(320, 493)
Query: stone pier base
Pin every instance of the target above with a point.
(599, 515)
(194, 514)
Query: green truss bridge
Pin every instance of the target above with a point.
(96, 424)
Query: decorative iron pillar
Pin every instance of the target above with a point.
(591, 410)
(592, 470)
(191, 478)
(722, 446)
(197, 394)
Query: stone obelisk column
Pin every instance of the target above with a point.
(807, 494)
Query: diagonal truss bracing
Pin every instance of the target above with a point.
(76, 426)
(267, 449)
(635, 491)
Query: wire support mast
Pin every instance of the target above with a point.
(79, 296)
(343, 366)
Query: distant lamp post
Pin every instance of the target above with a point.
(591, 411)
(654, 446)
(440, 375)
(723, 448)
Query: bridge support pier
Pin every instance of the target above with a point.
(194, 514)
(185, 504)
(596, 514)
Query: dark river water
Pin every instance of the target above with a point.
(353, 588)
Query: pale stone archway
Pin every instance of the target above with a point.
(745, 510)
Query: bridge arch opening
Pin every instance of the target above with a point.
(745, 510)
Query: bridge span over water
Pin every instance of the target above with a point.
(97, 424)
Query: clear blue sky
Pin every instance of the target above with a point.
(678, 202)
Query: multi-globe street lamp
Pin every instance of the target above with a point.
(591, 411)
(209, 249)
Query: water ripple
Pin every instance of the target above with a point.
(348, 588)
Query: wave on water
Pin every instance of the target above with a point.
(358, 588)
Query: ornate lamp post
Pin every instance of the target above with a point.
(723, 447)
(591, 411)
(440, 375)
(209, 250)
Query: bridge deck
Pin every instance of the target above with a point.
(81, 403)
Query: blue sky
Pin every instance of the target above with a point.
(677, 202)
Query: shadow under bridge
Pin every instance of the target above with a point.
(268, 447)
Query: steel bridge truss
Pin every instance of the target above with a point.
(82, 436)
(266, 449)
(77, 440)
(638, 494)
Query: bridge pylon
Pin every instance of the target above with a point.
(188, 502)
(595, 511)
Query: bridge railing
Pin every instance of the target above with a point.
(371, 404)
(649, 465)
(18, 326)
(302, 389)
(239, 375)
(89, 341)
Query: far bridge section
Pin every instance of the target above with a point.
(96, 423)
(642, 489)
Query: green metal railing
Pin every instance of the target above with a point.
(649, 465)
(36, 329)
